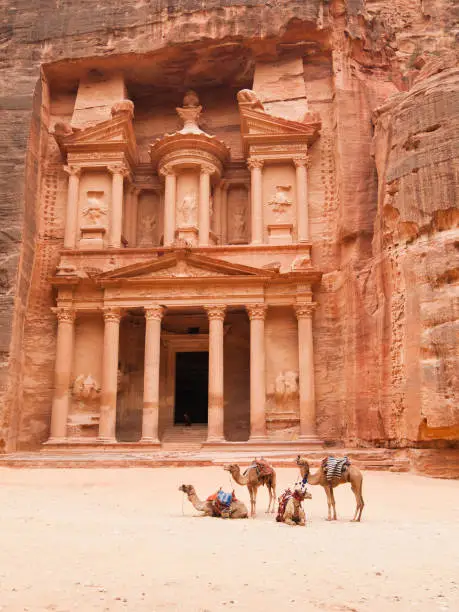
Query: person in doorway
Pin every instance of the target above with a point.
(187, 419)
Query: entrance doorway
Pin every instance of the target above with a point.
(191, 386)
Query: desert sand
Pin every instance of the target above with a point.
(115, 539)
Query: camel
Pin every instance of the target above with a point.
(237, 508)
(352, 475)
(291, 512)
(252, 479)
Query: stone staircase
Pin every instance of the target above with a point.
(181, 438)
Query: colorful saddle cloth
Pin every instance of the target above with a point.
(283, 501)
(263, 468)
(335, 466)
(221, 502)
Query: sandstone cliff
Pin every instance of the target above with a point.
(384, 189)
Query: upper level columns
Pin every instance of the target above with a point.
(107, 422)
(257, 314)
(256, 166)
(118, 172)
(301, 165)
(306, 370)
(71, 216)
(216, 316)
(204, 204)
(62, 373)
(170, 196)
(153, 316)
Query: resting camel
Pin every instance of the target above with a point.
(290, 509)
(237, 508)
(352, 475)
(252, 479)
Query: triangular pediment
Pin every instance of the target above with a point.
(116, 133)
(181, 265)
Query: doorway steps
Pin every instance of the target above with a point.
(181, 438)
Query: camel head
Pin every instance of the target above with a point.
(302, 463)
(231, 467)
(188, 489)
(300, 492)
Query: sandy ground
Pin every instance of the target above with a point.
(117, 540)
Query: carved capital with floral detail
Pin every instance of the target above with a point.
(255, 162)
(64, 314)
(166, 170)
(72, 170)
(207, 169)
(112, 314)
(118, 169)
(302, 161)
(215, 313)
(256, 311)
(154, 313)
(304, 311)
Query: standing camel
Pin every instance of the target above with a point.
(352, 475)
(256, 475)
(237, 509)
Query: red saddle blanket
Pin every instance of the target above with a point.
(263, 468)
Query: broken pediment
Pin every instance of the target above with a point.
(259, 127)
(182, 265)
(113, 135)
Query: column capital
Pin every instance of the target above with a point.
(112, 314)
(256, 311)
(154, 313)
(118, 169)
(302, 161)
(207, 169)
(305, 310)
(64, 314)
(215, 312)
(255, 162)
(167, 170)
(72, 170)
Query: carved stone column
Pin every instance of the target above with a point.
(301, 165)
(306, 370)
(257, 314)
(216, 415)
(150, 418)
(218, 213)
(116, 218)
(71, 215)
(255, 166)
(224, 211)
(133, 209)
(107, 422)
(62, 373)
(170, 196)
(204, 205)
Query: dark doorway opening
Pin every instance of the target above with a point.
(191, 386)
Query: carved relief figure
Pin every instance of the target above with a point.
(94, 210)
(249, 98)
(85, 388)
(188, 208)
(280, 201)
(286, 387)
(147, 227)
(239, 224)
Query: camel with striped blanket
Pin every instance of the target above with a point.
(351, 474)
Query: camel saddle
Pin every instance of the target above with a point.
(221, 502)
(283, 500)
(263, 468)
(335, 467)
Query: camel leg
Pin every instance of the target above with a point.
(357, 490)
(273, 507)
(333, 503)
(253, 501)
(329, 502)
(271, 500)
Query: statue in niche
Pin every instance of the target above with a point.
(188, 208)
(190, 99)
(286, 387)
(248, 97)
(147, 227)
(85, 388)
(280, 201)
(94, 210)
(239, 225)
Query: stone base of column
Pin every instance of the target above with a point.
(310, 439)
(149, 442)
(55, 441)
(106, 440)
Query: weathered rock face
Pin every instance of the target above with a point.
(383, 188)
